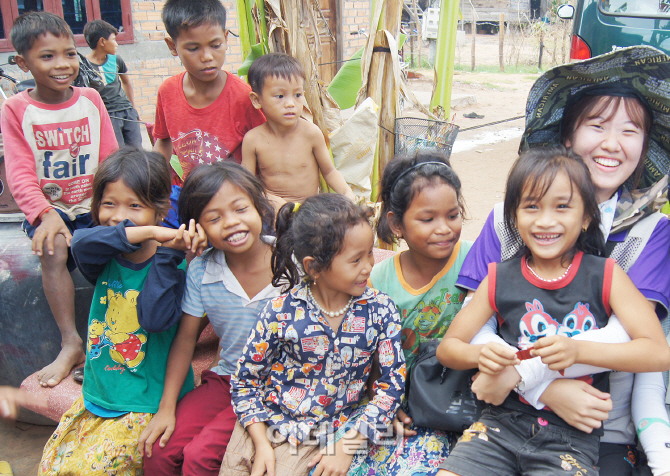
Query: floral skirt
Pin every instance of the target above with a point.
(84, 443)
(418, 455)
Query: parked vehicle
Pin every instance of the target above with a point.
(601, 26)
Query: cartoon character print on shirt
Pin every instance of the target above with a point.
(96, 339)
(197, 147)
(121, 318)
(577, 321)
(535, 324)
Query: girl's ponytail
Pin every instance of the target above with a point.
(284, 269)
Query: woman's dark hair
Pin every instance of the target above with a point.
(145, 173)
(204, 181)
(534, 172)
(404, 178)
(316, 229)
(589, 107)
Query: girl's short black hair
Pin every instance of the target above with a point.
(534, 171)
(279, 65)
(205, 180)
(146, 173)
(180, 15)
(97, 29)
(29, 26)
(404, 178)
(316, 229)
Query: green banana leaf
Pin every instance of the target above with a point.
(255, 53)
(348, 80)
(346, 83)
(174, 162)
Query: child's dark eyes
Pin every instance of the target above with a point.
(453, 217)
(46, 57)
(107, 204)
(242, 210)
(213, 220)
(135, 205)
(280, 96)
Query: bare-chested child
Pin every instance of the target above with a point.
(286, 152)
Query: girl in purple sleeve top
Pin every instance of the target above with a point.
(308, 359)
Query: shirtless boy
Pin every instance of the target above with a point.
(287, 152)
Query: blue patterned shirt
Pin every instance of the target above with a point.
(301, 377)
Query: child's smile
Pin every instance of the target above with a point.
(550, 225)
(54, 64)
(231, 221)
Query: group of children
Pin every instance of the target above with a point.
(316, 346)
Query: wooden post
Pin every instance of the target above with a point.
(411, 41)
(474, 37)
(501, 35)
(418, 28)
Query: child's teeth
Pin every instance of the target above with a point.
(237, 236)
(606, 162)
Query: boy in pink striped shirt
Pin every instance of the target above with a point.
(55, 135)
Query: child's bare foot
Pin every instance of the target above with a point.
(69, 356)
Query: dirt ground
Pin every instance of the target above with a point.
(481, 158)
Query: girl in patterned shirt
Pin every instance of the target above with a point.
(308, 359)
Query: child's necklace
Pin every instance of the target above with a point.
(548, 280)
(328, 313)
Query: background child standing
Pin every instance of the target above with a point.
(139, 285)
(287, 152)
(55, 136)
(421, 204)
(203, 113)
(117, 92)
(230, 284)
(307, 361)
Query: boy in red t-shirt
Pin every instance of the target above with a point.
(203, 113)
(55, 135)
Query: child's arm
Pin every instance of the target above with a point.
(253, 368)
(248, 384)
(378, 414)
(93, 247)
(331, 175)
(249, 152)
(164, 147)
(648, 350)
(11, 399)
(178, 364)
(457, 353)
(651, 420)
(159, 303)
(20, 165)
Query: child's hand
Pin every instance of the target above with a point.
(336, 462)
(10, 401)
(45, 234)
(494, 357)
(350, 195)
(162, 423)
(494, 389)
(401, 424)
(558, 352)
(193, 240)
(264, 461)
